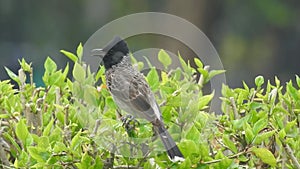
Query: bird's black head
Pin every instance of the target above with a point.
(114, 52)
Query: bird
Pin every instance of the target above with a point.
(131, 92)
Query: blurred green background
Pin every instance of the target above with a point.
(252, 37)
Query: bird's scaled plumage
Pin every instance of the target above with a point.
(132, 93)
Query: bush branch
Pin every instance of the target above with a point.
(235, 112)
(229, 157)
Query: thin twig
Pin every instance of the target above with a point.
(287, 149)
(229, 157)
(22, 77)
(3, 157)
(97, 124)
(290, 153)
(201, 79)
(66, 121)
(127, 167)
(235, 112)
(31, 76)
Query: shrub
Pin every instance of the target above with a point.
(73, 124)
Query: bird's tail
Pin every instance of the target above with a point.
(173, 151)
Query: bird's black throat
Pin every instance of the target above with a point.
(115, 50)
(114, 59)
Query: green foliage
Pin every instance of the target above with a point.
(74, 124)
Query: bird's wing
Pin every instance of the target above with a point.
(142, 99)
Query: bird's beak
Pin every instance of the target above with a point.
(98, 52)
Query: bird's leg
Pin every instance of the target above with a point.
(130, 124)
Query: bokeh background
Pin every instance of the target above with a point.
(252, 37)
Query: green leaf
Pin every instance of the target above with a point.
(70, 55)
(65, 72)
(186, 164)
(229, 143)
(245, 86)
(265, 155)
(290, 125)
(22, 160)
(259, 81)
(153, 79)
(198, 63)
(204, 100)
(188, 148)
(227, 92)
(248, 133)
(90, 95)
(43, 143)
(277, 82)
(193, 134)
(183, 64)
(100, 73)
(12, 141)
(132, 58)
(224, 163)
(13, 76)
(259, 125)
(282, 134)
(204, 73)
(79, 51)
(59, 147)
(110, 102)
(54, 78)
(50, 65)
(86, 161)
(164, 58)
(25, 66)
(262, 137)
(23, 134)
(298, 80)
(48, 128)
(293, 92)
(79, 73)
(213, 73)
(36, 154)
(76, 141)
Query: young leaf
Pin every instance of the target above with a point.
(293, 92)
(193, 134)
(204, 100)
(47, 129)
(153, 79)
(100, 73)
(265, 155)
(164, 58)
(25, 66)
(262, 137)
(188, 147)
(13, 76)
(213, 73)
(248, 133)
(35, 154)
(186, 163)
(298, 80)
(259, 125)
(70, 55)
(183, 63)
(50, 65)
(277, 82)
(198, 63)
(23, 133)
(79, 73)
(229, 143)
(259, 80)
(79, 51)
